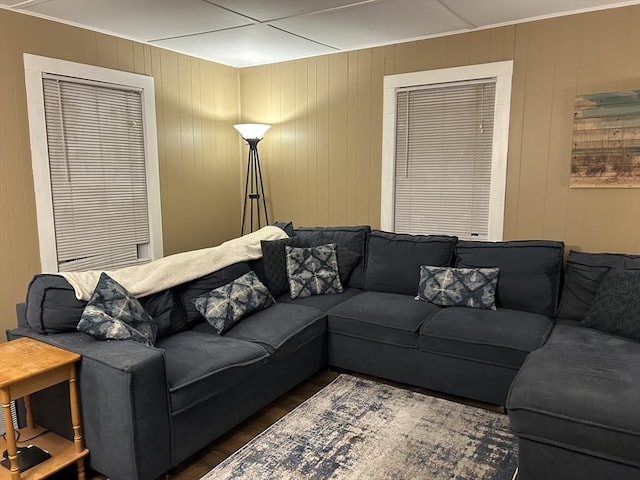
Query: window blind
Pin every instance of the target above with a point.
(444, 136)
(98, 173)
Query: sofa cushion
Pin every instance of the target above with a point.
(313, 271)
(274, 258)
(354, 238)
(583, 276)
(616, 308)
(581, 391)
(112, 313)
(458, 287)
(201, 364)
(530, 271)
(281, 328)
(324, 303)
(394, 260)
(390, 318)
(186, 293)
(225, 306)
(52, 307)
(501, 337)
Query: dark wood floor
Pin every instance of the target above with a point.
(199, 464)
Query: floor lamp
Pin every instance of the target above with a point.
(252, 133)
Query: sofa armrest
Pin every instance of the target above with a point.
(124, 401)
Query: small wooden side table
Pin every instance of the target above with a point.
(28, 366)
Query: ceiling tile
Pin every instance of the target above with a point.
(251, 45)
(491, 12)
(143, 19)
(375, 23)
(269, 10)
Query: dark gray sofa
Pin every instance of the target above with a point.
(574, 403)
(146, 409)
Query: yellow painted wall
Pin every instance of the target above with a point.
(322, 157)
(196, 104)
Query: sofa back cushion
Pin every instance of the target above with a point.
(530, 271)
(354, 238)
(583, 276)
(52, 307)
(394, 260)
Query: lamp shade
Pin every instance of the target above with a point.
(252, 131)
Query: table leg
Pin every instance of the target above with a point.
(75, 410)
(10, 435)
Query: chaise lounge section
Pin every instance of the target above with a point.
(574, 403)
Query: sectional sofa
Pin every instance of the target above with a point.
(148, 408)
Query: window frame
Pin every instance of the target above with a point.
(503, 73)
(34, 67)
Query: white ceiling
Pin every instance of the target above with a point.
(252, 32)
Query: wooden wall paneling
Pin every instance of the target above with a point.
(8, 280)
(153, 58)
(107, 51)
(458, 48)
(516, 121)
(480, 50)
(379, 58)
(225, 211)
(125, 55)
(405, 57)
(202, 207)
(440, 53)
(322, 142)
(561, 126)
(423, 53)
(363, 138)
(210, 161)
(338, 138)
(301, 142)
(274, 164)
(312, 140)
(597, 203)
(536, 129)
(139, 64)
(288, 141)
(352, 137)
(89, 45)
(172, 194)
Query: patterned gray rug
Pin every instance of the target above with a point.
(360, 429)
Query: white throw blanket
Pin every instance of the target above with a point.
(167, 272)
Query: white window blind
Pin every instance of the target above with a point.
(443, 156)
(98, 175)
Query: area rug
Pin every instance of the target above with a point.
(360, 429)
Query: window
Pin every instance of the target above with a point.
(444, 151)
(94, 160)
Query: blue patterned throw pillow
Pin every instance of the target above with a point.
(224, 306)
(458, 287)
(313, 271)
(112, 313)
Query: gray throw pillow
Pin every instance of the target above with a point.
(112, 313)
(274, 259)
(224, 306)
(313, 271)
(458, 287)
(616, 307)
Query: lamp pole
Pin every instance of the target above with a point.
(254, 186)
